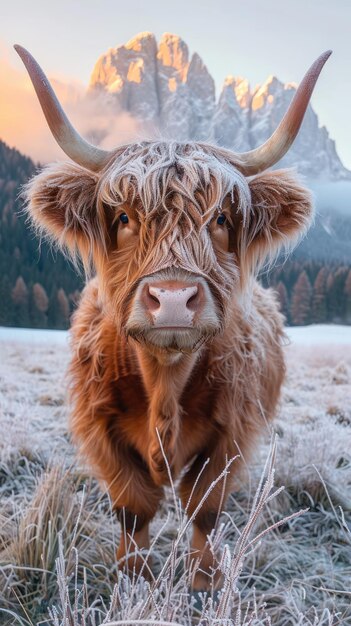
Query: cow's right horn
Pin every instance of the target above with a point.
(279, 143)
(79, 150)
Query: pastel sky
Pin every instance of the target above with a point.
(251, 38)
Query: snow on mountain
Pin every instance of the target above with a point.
(165, 87)
(174, 97)
(231, 121)
(313, 151)
(201, 90)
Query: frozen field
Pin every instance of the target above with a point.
(299, 573)
(317, 334)
(320, 335)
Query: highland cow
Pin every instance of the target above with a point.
(177, 349)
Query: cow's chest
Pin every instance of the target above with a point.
(194, 429)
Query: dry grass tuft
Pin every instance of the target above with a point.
(57, 567)
(286, 554)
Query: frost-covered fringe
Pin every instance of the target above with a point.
(166, 600)
(183, 185)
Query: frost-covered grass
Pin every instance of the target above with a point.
(58, 536)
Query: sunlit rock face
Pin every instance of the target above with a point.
(173, 94)
(172, 70)
(159, 84)
(129, 75)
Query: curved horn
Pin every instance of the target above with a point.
(66, 136)
(279, 143)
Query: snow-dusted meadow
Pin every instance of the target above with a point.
(58, 536)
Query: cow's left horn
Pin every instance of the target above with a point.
(279, 143)
(65, 134)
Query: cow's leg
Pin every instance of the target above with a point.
(135, 499)
(205, 520)
(134, 543)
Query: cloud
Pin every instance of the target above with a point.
(23, 126)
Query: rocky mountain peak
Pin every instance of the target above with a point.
(165, 86)
(141, 42)
(265, 93)
(174, 53)
(241, 89)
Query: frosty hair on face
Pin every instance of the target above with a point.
(151, 170)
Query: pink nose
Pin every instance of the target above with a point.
(172, 304)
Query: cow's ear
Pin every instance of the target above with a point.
(281, 211)
(61, 203)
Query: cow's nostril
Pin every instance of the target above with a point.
(193, 301)
(154, 298)
(152, 301)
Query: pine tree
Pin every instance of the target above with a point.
(336, 297)
(53, 312)
(64, 308)
(347, 290)
(301, 301)
(339, 291)
(7, 306)
(19, 297)
(319, 299)
(20, 292)
(331, 302)
(41, 304)
(283, 299)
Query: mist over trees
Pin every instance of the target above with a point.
(40, 289)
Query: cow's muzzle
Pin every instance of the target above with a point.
(173, 304)
(173, 310)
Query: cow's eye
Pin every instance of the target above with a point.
(221, 219)
(124, 218)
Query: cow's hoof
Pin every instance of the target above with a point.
(199, 599)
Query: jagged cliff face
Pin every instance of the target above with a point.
(159, 84)
(174, 94)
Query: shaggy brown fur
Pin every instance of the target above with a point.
(205, 396)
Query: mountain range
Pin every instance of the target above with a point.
(173, 94)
